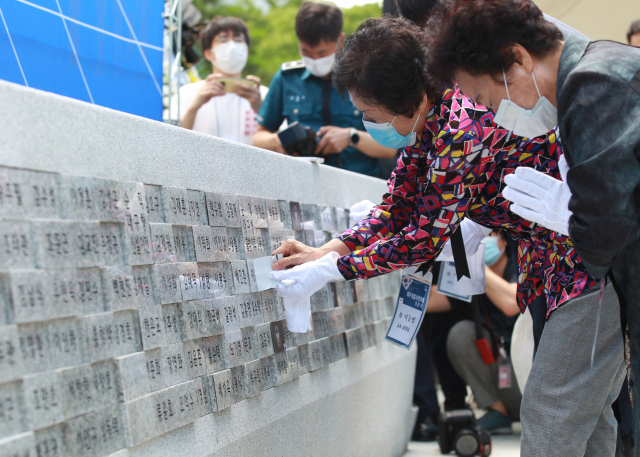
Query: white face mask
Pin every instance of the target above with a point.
(231, 57)
(527, 123)
(319, 67)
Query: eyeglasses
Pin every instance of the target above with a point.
(222, 39)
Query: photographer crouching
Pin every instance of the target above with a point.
(301, 91)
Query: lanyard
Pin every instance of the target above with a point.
(488, 348)
(326, 102)
(410, 308)
(603, 283)
(215, 105)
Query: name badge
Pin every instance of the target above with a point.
(410, 308)
(504, 370)
(448, 280)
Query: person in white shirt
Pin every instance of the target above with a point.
(205, 105)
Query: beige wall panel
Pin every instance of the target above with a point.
(598, 19)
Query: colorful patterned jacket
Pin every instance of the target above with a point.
(456, 170)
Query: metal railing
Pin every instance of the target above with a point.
(172, 61)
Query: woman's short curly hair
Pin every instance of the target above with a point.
(474, 36)
(384, 64)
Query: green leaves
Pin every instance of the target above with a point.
(273, 37)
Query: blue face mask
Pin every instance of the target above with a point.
(386, 134)
(492, 253)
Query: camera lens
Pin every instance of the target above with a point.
(466, 443)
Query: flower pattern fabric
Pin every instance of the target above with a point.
(456, 170)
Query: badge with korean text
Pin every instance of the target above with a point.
(410, 308)
(448, 281)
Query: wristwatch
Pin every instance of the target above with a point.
(354, 137)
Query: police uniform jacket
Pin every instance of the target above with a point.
(296, 95)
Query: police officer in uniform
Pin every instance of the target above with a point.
(302, 91)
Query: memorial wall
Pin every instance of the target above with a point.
(130, 318)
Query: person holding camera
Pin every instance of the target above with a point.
(302, 91)
(222, 105)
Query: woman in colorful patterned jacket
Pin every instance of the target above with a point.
(526, 71)
(453, 166)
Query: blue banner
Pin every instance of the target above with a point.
(107, 52)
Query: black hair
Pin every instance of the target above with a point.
(474, 36)
(417, 11)
(633, 29)
(221, 24)
(509, 243)
(318, 21)
(384, 64)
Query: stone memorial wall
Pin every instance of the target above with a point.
(130, 319)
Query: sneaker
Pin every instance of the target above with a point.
(495, 423)
(426, 430)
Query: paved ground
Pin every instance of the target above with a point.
(503, 446)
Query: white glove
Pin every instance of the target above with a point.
(304, 280)
(359, 211)
(477, 284)
(540, 198)
(472, 234)
(298, 314)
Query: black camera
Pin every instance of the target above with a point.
(458, 431)
(300, 139)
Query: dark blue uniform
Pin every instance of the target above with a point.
(296, 95)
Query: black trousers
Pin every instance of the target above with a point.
(424, 391)
(432, 353)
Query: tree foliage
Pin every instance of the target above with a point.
(273, 38)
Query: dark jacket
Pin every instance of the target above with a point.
(599, 117)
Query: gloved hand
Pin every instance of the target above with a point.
(304, 280)
(540, 198)
(298, 314)
(359, 211)
(472, 234)
(477, 284)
